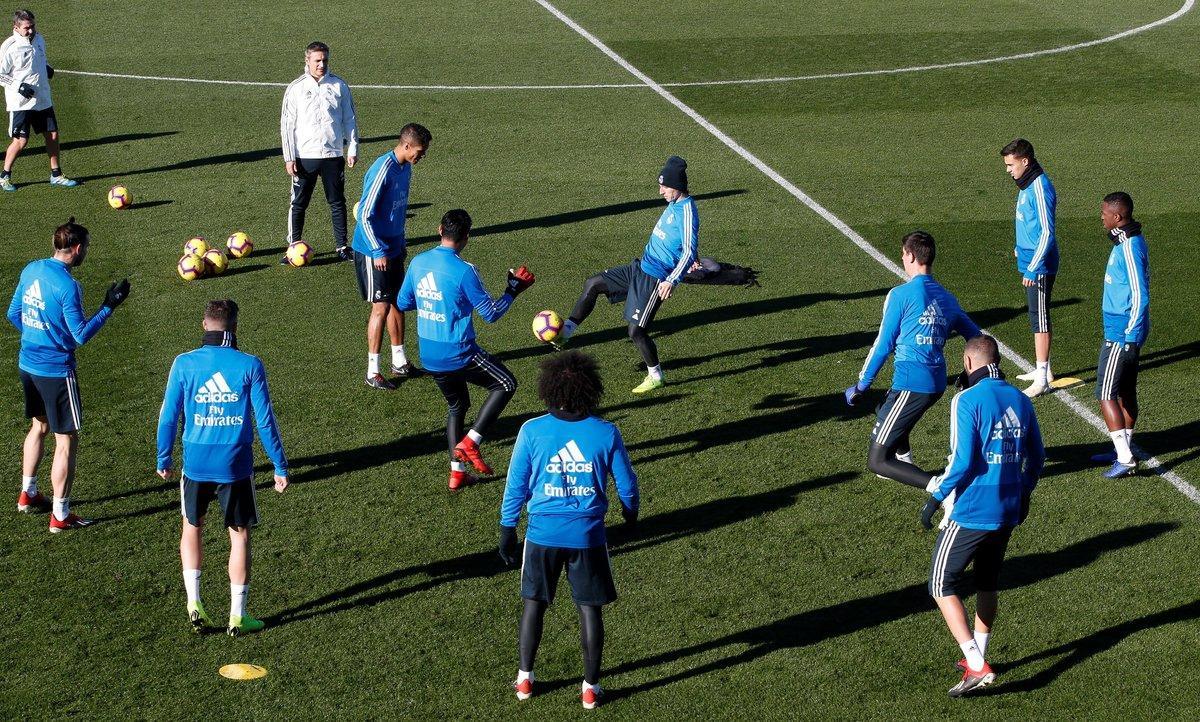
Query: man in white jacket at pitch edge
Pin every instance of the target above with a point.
(25, 76)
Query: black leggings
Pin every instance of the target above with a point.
(591, 637)
(592, 289)
(482, 370)
(882, 460)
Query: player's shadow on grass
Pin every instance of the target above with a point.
(791, 414)
(141, 205)
(1147, 361)
(1183, 439)
(568, 217)
(651, 531)
(989, 317)
(235, 270)
(104, 140)
(819, 625)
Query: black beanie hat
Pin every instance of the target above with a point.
(674, 174)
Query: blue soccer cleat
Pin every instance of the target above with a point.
(1118, 470)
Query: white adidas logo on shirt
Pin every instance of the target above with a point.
(1008, 427)
(216, 391)
(569, 460)
(427, 288)
(33, 296)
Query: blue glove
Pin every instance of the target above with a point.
(927, 512)
(854, 392)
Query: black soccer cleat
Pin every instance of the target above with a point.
(344, 253)
(407, 371)
(379, 382)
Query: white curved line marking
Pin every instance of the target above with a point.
(1183, 10)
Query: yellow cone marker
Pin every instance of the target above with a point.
(1066, 382)
(243, 671)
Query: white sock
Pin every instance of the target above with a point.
(237, 599)
(473, 435)
(372, 364)
(29, 485)
(1043, 371)
(62, 508)
(594, 687)
(398, 357)
(191, 583)
(981, 638)
(1121, 444)
(1129, 439)
(457, 466)
(568, 329)
(655, 372)
(522, 675)
(974, 656)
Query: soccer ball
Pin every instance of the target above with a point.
(547, 325)
(299, 253)
(119, 197)
(195, 246)
(190, 267)
(215, 262)
(239, 244)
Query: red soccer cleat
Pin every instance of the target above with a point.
(30, 504)
(467, 452)
(524, 689)
(73, 521)
(460, 479)
(972, 681)
(591, 697)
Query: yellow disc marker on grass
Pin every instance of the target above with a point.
(243, 671)
(1066, 382)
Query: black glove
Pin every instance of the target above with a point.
(1131, 349)
(117, 293)
(26, 90)
(928, 511)
(508, 545)
(518, 281)
(629, 515)
(49, 72)
(1025, 507)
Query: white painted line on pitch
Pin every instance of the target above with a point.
(1183, 10)
(1074, 404)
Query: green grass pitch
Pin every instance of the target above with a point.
(772, 576)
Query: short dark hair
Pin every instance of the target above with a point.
(416, 133)
(223, 311)
(983, 348)
(920, 245)
(315, 46)
(571, 382)
(456, 225)
(1019, 148)
(1122, 201)
(69, 235)
(22, 15)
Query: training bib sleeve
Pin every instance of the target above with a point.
(964, 446)
(965, 327)
(14, 307)
(885, 342)
(81, 327)
(623, 473)
(264, 418)
(1035, 455)
(168, 417)
(1137, 269)
(406, 299)
(489, 309)
(516, 488)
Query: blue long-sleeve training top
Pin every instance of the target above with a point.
(1126, 302)
(383, 208)
(216, 389)
(47, 308)
(445, 290)
(559, 471)
(996, 455)
(674, 243)
(918, 317)
(1037, 248)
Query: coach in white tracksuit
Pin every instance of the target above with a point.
(320, 138)
(25, 76)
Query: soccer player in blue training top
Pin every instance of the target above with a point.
(560, 467)
(47, 308)
(380, 248)
(996, 457)
(445, 290)
(1036, 252)
(918, 317)
(645, 283)
(1126, 309)
(215, 389)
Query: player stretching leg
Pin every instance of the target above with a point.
(918, 317)
(216, 388)
(644, 284)
(560, 467)
(445, 290)
(1126, 325)
(996, 457)
(47, 308)
(1036, 252)
(380, 248)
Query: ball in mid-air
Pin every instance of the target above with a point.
(239, 244)
(196, 246)
(215, 262)
(547, 325)
(299, 254)
(119, 197)
(190, 267)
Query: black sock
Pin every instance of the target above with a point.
(55, 172)
(5, 173)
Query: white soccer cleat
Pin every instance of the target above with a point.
(1037, 388)
(1033, 375)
